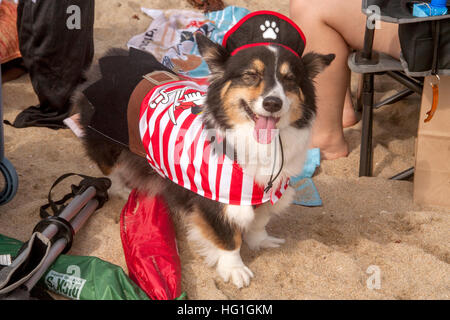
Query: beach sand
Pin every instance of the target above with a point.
(364, 222)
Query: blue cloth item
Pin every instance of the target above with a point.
(439, 3)
(312, 162)
(422, 10)
(306, 193)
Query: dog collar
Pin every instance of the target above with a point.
(264, 28)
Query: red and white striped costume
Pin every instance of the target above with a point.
(178, 148)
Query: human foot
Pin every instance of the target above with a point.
(331, 148)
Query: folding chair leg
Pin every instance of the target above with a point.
(411, 84)
(395, 98)
(405, 175)
(365, 164)
(359, 102)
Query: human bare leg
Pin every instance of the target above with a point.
(348, 117)
(336, 26)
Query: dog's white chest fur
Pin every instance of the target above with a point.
(263, 161)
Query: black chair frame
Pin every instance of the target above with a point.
(365, 99)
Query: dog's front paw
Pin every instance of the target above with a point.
(240, 275)
(232, 267)
(261, 240)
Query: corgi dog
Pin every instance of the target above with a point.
(220, 152)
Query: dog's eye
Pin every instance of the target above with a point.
(250, 77)
(290, 77)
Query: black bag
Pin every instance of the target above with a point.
(56, 53)
(426, 47)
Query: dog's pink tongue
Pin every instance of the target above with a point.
(265, 129)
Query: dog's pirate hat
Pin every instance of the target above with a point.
(265, 28)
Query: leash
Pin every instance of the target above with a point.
(272, 180)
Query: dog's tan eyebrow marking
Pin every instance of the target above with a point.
(285, 68)
(259, 66)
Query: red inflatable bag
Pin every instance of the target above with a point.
(150, 248)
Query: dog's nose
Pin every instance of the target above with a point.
(272, 104)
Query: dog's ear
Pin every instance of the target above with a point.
(214, 54)
(315, 63)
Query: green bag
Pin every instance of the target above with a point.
(82, 278)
